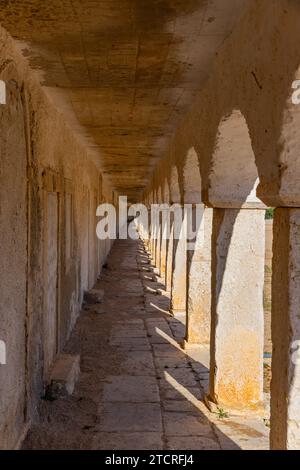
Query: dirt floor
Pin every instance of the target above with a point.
(137, 389)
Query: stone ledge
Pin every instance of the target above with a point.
(64, 376)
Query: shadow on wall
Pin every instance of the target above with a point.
(237, 267)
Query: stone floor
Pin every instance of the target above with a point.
(138, 389)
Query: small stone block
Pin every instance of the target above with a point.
(64, 376)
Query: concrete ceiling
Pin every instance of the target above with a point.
(127, 69)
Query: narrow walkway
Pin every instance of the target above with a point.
(138, 389)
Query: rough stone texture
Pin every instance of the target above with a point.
(41, 159)
(13, 255)
(64, 375)
(285, 385)
(236, 368)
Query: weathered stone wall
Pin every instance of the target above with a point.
(13, 254)
(40, 156)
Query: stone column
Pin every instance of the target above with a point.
(146, 232)
(158, 244)
(178, 290)
(169, 264)
(153, 234)
(164, 240)
(285, 386)
(237, 328)
(198, 305)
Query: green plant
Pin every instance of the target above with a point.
(267, 302)
(222, 413)
(268, 269)
(269, 214)
(267, 422)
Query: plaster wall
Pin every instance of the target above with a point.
(40, 156)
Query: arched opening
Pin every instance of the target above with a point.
(238, 261)
(177, 247)
(234, 176)
(233, 182)
(199, 219)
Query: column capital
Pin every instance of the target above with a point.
(276, 194)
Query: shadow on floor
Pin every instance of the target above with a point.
(251, 433)
(138, 389)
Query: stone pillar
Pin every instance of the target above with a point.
(237, 328)
(146, 232)
(153, 234)
(285, 386)
(198, 305)
(156, 238)
(169, 264)
(158, 244)
(178, 290)
(165, 224)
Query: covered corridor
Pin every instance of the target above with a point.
(181, 338)
(138, 389)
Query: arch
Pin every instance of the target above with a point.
(234, 177)
(192, 178)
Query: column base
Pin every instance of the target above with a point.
(188, 345)
(218, 407)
